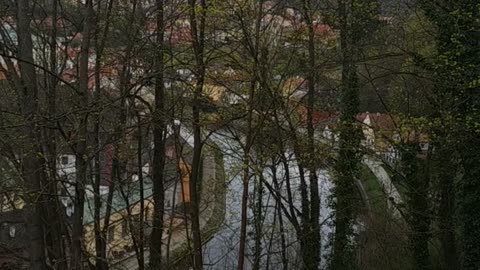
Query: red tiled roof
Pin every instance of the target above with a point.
(73, 53)
(379, 121)
(292, 84)
(71, 75)
(4, 70)
(322, 28)
(382, 121)
(324, 117)
(48, 22)
(8, 20)
(175, 33)
(361, 117)
(318, 117)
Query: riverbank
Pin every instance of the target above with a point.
(212, 212)
(212, 205)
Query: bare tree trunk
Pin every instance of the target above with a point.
(141, 232)
(304, 232)
(108, 207)
(280, 217)
(159, 145)
(305, 215)
(131, 225)
(288, 186)
(312, 256)
(194, 202)
(100, 243)
(32, 166)
(100, 240)
(245, 181)
(81, 161)
(272, 234)
(170, 225)
(198, 38)
(258, 209)
(56, 243)
(178, 155)
(253, 47)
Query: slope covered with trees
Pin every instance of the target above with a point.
(240, 134)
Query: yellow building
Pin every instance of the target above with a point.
(126, 215)
(214, 92)
(125, 207)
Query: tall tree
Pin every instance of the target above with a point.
(81, 158)
(32, 162)
(416, 169)
(456, 68)
(198, 16)
(159, 142)
(348, 157)
(252, 44)
(356, 19)
(54, 213)
(101, 36)
(312, 234)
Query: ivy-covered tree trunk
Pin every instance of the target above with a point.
(446, 169)
(345, 172)
(349, 143)
(456, 70)
(471, 204)
(357, 20)
(416, 170)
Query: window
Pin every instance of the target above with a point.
(124, 228)
(424, 146)
(136, 221)
(12, 231)
(147, 213)
(111, 234)
(69, 210)
(170, 152)
(64, 160)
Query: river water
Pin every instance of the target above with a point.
(221, 252)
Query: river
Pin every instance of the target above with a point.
(221, 252)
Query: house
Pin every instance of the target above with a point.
(40, 29)
(176, 33)
(126, 202)
(67, 51)
(214, 92)
(13, 240)
(66, 171)
(10, 198)
(379, 133)
(383, 133)
(378, 130)
(125, 206)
